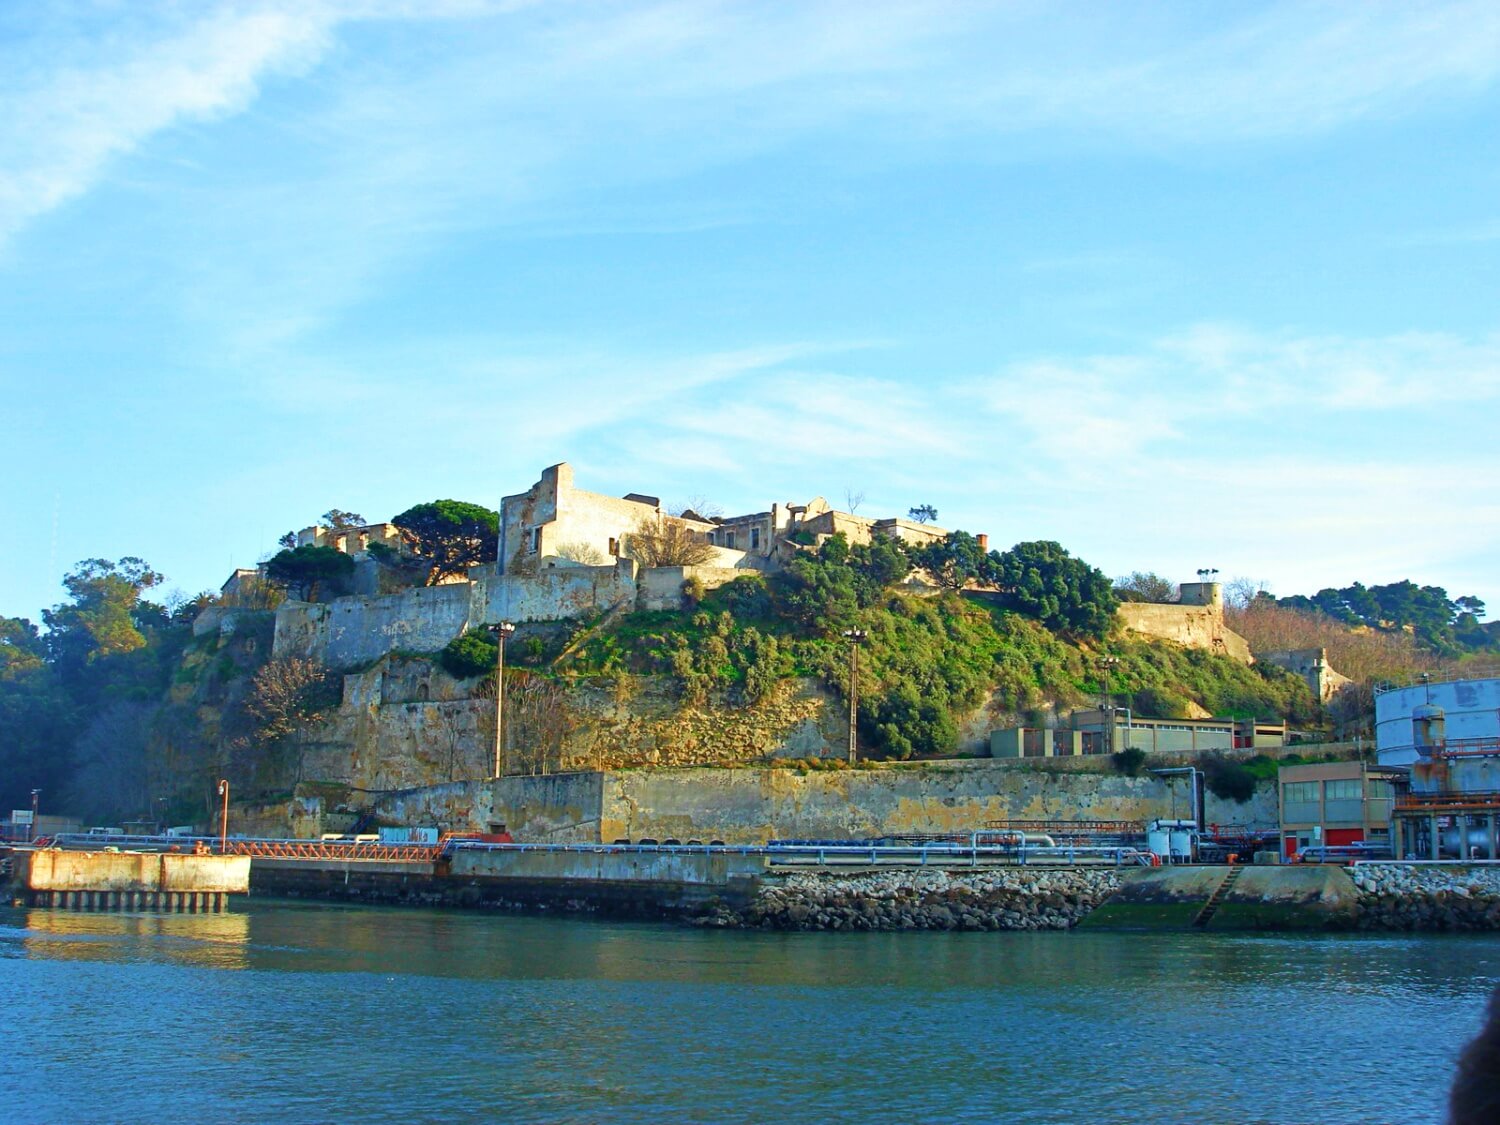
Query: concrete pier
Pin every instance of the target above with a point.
(131, 880)
(600, 879)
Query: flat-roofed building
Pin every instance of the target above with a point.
(1335, 804)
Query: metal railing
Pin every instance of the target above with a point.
(807, 854)
(1447, 676)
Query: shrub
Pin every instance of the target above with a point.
(1226, 779)
(472, 654)
(1129, 761)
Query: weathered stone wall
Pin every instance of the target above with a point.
(642, 721)
(351, 631)
(660, 587)
(406, 724)
(751, 805)
(1311, 664)
(1196, 626)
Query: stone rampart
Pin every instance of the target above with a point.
(1195, 626)
(348, 632)
(661, 587)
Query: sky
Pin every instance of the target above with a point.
(1179, 285)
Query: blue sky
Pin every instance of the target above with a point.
(1178, 285)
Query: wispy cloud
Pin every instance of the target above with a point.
(520, 101)
(1120, 405)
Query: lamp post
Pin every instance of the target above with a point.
(35, 794)
(1107, 664)
(856, 638)
(224, 817)
(502, 631)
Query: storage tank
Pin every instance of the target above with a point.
(1181, 842)
(1428, 723)
(1158, 841)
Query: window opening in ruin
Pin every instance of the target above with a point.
(755, 538)
(536, 540)
(729, 540)
(614, 546)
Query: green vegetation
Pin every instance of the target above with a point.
(307, 573)
(1227, 778)
(926, 662)
(1444, 626)
(76, 703)
(450, 536)
(473, 654)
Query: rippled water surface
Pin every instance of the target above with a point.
(298, 1012)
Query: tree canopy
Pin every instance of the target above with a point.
(450, 536)
(1041, 580)
(955, 561)
(667, 541)
(308, 572)
(1146, 586)
(1439, 623)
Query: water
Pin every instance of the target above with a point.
(311, 1013)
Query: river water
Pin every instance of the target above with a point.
(285, 1012)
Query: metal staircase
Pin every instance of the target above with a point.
(1215, 900)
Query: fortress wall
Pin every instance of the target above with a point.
(660, 587)
(557, 592)
(1196, 626)
(350, 631)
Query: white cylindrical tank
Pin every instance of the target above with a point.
(1181, 845)
(1158, 841)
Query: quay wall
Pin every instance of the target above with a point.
(753, 805)
(746, 806)
(607, 882)
(132, 872)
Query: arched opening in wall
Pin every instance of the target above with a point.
(422, 692)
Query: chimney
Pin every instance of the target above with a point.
(984, 542)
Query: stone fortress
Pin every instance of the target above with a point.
(563, 554)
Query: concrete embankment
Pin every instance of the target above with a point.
(1016, 898)
(600, 880)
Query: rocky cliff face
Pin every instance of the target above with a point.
(404, 723)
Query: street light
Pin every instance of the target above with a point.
(35, 793)
(501, 631)
(224, 818)
(856, 638)
(1107, 707)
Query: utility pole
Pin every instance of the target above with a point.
(1107, 707)
(224, 818)
(856, 638)
(35, 794)
(502, 631)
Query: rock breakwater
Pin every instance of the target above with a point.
(992, 899)
(1401, 897)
